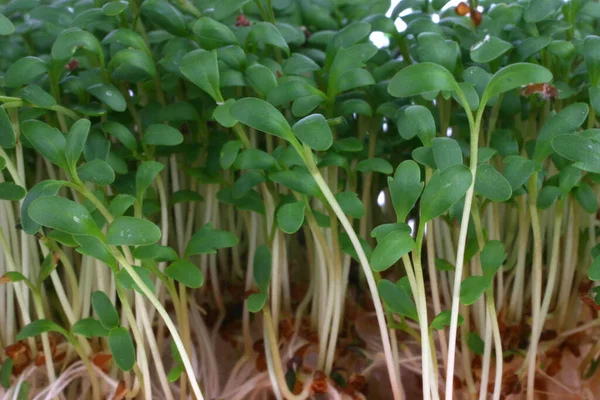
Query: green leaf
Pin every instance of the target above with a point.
(76, 141)
(262, 268)
(183, 196)
(155, 252)
(185, 272)
(114, 8)
(12, 192)
(547, 196)
(120, 204)
(531, 45)
(107, 313)
(297, 179)
(213, 34)
(261, 78)
(421, 78)
(405, 188)
(201, 68)
(539, 10)
(38, 327)
(165, 15)
(175, 373)
(489, 49)
(443, 319)
(229, 153)
(131, 231)
(37, 96)
(63, 214)
(518, 170)
(121, 347)
(446, 152)
(375, 165)
(444, 190)
(594, 271)
(566, 121)
(591, 55)
(390, 248)
(222, 114)
(109, 95)
(298, 64)
(434, 48)
(25, 70)
(94, 247)
(70, 40)
(492, 256)
(6, 27)
(96, 171)
(89, 328)
(121, 132)
(382, 230)
(583, 151)
(475, 343)
(47, 140)
(492, 184)
(7, 365)
(162, 135)
(125, 280)
(587, 198)
(7, 133)
(207, 240)
(255, 159)
(267, 33)
(147, 172)
(41, 189)
(514, 76)
(352, 79)
(472, 288)
(260, 115)
(416, 121)
(256, 302)
(314, 131)
(246, 182)
(397, 300)
(225, 8)
(443, 265)
(290, 217)
(13, 276)
(350, 204)
(132, 65)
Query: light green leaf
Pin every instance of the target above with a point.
(390, 248)
(290, 217)
(492, 184)
(421, 78)
(162, 135)
(260, 115)
(38, 327)
(444, 190)
(405, 188)
(314, 131)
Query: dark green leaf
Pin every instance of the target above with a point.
(397, 299)
(107, 313)
(262, 268)
(390, 248)
(443, 319)
(38, 327)
(165, 15)
(7, 133)
(12, 192)
(421, 78)
(185, 272)
(89, 328)
(444, 190)
(472, 288)
(47, 140)
(121, 347)
(201, 68)
(405, 188)
(96, 171)
(207, 240)
(162, 135)
(446, 152)
(492, 184)
(63, 214)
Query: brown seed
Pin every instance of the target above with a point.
(102, 361)
(121, 391)
(358, 382)
(241, 20)
(319, 384)
(476, 17)
(548, 334)
(462, 9)
(71, 65)
(554, 367)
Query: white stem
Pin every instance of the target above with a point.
(364, 262)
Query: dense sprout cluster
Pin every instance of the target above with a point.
(249, 199)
